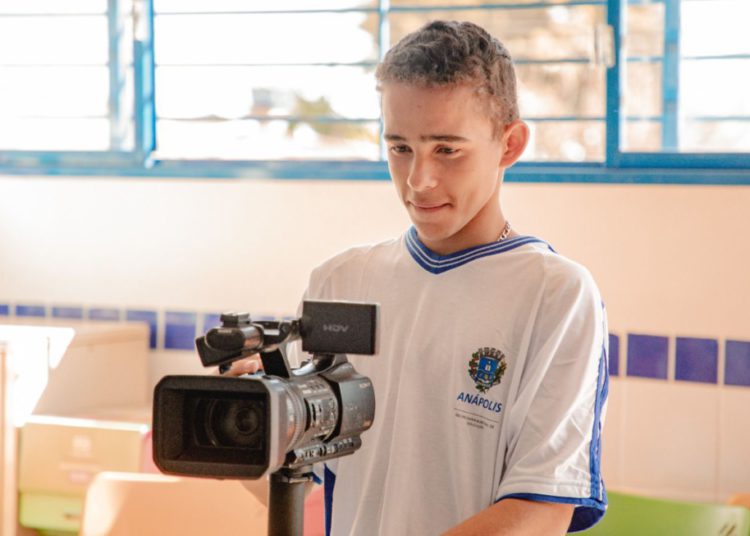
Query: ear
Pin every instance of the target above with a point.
(515, 138)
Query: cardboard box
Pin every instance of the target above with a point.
(58, 375)
(60, 456)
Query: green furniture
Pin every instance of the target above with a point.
(632, 515)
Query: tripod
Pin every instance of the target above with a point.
(286, 501)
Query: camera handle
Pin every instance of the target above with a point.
(286, 503)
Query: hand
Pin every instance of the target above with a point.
(248, 365)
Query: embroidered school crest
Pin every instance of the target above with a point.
(486, 368)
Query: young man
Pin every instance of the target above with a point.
(491, 378)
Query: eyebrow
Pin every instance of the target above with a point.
(430, 137)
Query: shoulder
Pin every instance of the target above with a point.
(555, 273)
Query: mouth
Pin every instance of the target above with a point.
(427, 208)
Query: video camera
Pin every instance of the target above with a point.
(282, 418)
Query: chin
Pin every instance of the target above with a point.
(431, 233)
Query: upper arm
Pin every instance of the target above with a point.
(555, 420)
(517, 517)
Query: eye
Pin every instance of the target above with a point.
(447, 150)
(399, 149)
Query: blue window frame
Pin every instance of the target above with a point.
(118, 129)
(131, 148)
(723, 164)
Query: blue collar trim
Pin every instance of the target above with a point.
(437, 264)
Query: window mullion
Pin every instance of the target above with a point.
(671, 76)
(118, 118)
(143, 73)
(616, 18)
(384, 38)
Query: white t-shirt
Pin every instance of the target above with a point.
(490, 382)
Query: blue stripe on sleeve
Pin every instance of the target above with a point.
(595, 451)
(329, 481)
(588, 512)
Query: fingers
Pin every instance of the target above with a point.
(249, 365)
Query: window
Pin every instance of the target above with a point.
(610, 88)
(235, 80)
(687, 76)
(561, 80)
(51, 85)
(66, 76)
(684, 73)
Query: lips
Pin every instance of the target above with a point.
(427, 207)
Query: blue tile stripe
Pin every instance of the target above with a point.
(696, 359)
(614, 354)
(647, 356)
(31, 310)
(149, 317)
(107, 314)
(179, 331)
(737, 370)
(211, 320)
(67, 312)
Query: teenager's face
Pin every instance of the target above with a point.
(445, 163)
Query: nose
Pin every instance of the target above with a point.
(421, 175)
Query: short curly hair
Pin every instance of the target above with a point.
(444, 53)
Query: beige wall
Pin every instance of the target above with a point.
(670, 260)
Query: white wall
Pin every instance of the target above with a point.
(670, 260)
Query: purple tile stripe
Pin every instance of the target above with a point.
(104, 314)
(737, 371)
(614, 355)
(647, 356)
(67, 312)
(697, 360)
(179, 333)
(149, 317)
(31, 310)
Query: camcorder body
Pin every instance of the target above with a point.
(283, 418)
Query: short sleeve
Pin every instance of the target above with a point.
(555, 419)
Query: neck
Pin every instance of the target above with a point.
(485, 228)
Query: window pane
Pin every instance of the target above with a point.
(47, 40)
(267, 140)
(711, 27)
(265, 39)
(561, 90)
(565, 141)
(235, 92)
(686, 89)
(458, 2)
(53, 6)
(559, 32)
(553, 49)
(643, 89)
(642, 136)
(56, 68)
(712, 136)
(45, 134)
(213, 93)
(191, 6)
(645, 30)
(53, 91)
(715, 87)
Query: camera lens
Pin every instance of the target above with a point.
(235, 423)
